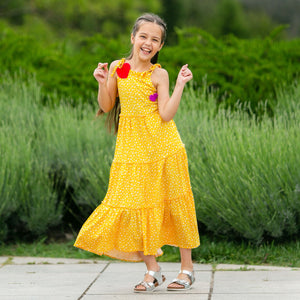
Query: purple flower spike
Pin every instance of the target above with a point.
(153, 97)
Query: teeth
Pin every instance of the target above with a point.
(146, 50)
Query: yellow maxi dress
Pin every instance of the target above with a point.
(149, 202)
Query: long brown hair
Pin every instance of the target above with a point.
(112, 119)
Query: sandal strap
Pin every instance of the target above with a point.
(190, 274)
(182, 282)
(148, 285)
(186, 284)
(151, 285)
(156, 275)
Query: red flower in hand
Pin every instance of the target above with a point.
(124, 70)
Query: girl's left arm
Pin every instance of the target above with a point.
(167, 105)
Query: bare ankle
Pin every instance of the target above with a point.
(188, 267)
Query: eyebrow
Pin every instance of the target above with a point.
(147, 34)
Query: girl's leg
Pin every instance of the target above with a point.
(151, 265)
(186, 264)
(186, 259)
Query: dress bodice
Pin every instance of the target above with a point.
(137, 93)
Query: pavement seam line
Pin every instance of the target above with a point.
(211, 288)
(90, 285)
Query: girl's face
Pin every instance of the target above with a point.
(147, 40)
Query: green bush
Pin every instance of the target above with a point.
(243, 70)
(54, 167)
(63, 70)
(87, 17)
(245, 173)
(55, 163)
(239, 70)
(28, 201)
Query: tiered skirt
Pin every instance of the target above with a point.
(149, 202)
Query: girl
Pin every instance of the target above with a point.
(149, 202)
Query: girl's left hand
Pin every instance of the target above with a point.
(185, 75)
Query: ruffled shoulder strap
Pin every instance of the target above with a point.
(118, 65)
(153, 67)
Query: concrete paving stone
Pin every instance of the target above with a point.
(48, 297)
(141, 267)
(147, 296)
(20, 260)
(31, 269)
(120, 280)
(175, 267)
(233, 267)
(255, 297)
(47, 284)
(27, 278)
(46, 280)
(122, 267)
(255, 282)
(3, 259)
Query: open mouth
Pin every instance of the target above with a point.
(146, 51)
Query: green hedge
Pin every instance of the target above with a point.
(55, 163)
(239, 70)
(62, 69)
(244, 70)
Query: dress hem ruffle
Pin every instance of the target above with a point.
(120, 232)
(107, 253)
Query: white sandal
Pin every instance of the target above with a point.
(185, 285)
(151, 285)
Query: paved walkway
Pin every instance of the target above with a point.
(32, 278)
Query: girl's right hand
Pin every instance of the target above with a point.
(101, 73)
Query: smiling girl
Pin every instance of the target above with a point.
(149, 202)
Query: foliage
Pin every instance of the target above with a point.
(244, 70)
(109, 18)
(55, 163)
(245, 173)
(64, 70)
(281, 12)
(224, 250)
(51, 159)
(231, 18)
(256, 18)
(28, 202)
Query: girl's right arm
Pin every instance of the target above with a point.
(108, 90)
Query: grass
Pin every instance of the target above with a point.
(211, 251)
(216, 251)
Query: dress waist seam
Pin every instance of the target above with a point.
(153, 161)
(185, 193)
(138, 116)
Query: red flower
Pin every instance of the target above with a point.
(124, 70)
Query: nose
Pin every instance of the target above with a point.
(148, 42)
